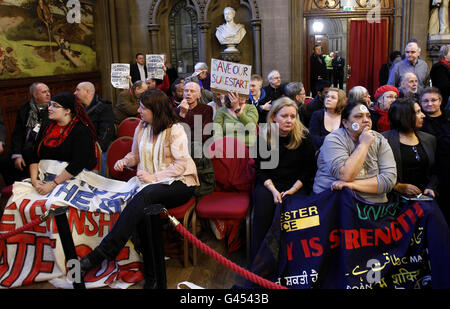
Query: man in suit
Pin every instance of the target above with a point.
(138, 70)
(338, 68)
(318, 67)
(31, 115)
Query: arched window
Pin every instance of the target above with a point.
(183, 38)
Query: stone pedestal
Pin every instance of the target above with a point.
(435, 42)
(231, 55)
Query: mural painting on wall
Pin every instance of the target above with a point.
(46, 37)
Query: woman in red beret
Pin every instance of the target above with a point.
(384, 96)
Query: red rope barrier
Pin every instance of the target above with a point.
(224, 261)
(21, 229)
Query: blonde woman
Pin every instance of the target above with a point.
(290, 140)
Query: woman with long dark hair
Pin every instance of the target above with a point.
(414, 150)
(68, 136)
(164, 167)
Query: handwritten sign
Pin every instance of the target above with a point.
(119, 73)
(230, 77)
(155, 64)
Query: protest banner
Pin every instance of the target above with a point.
(334, 240)
(37, 255)
(119, 74)
(155, 64)
(230, 77)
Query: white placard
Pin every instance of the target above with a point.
(119, 73)
(230, 76)
(155, 64)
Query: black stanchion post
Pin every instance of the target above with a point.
(154, 263)
(68, 245)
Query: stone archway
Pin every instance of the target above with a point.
(201, 7)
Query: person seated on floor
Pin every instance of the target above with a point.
(414, 151)
(67, 136)
(356, 157)
(384, 95)
(293, 171)
(329, 118)
(165, 169)
(234, 116)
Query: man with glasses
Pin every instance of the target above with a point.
(275, 89)
(437, 123)
(411, 63)
(14, 166)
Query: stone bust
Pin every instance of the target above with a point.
(230, 33)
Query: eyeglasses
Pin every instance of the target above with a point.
(54, 105)
(433, 100)
(414, 148)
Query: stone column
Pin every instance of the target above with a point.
(256, 26)
(154, 35)
(203, 40)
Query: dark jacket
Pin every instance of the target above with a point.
(22, 139)
(101, 114)
(134, 72)
(428, 142)
(77, 149)
(2, 129)
(440, 77)
(318, 68)
(263, 99)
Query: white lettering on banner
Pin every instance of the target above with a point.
(96, 203)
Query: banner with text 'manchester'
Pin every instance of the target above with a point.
(36, 255)
(335, 240)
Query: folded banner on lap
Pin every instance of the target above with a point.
(335, 240)
(37, 255)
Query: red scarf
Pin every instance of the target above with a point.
(383, 123)
(447, 63)
(55, 135)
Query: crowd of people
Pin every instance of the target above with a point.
(398, 143)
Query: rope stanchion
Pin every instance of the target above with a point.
(19, 230)
(221, 259)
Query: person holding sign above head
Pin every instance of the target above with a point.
(293, 172)
(67, 136)
(166, 171)
(356, 157)
(237, 119)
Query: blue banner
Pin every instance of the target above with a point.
(334, 240)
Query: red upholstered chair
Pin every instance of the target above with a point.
(116, 151)
(234, 173)
(128, 126)
(184, 213)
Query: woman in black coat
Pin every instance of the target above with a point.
(414, 150)
(440, 74)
